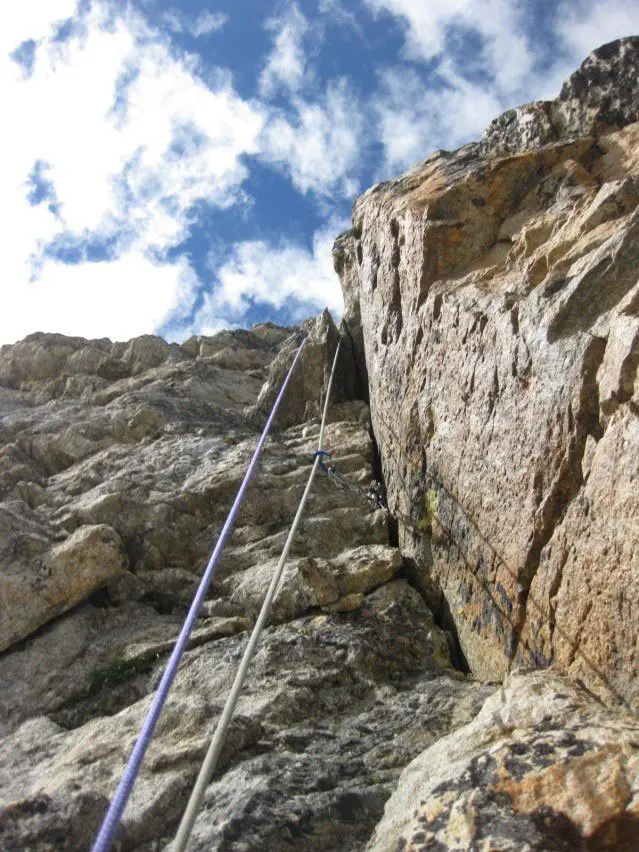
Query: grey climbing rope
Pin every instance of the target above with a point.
(210, 761)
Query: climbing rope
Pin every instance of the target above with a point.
(210, 761)
(112, 818)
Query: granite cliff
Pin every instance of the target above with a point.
(493, 297)
(458, 671)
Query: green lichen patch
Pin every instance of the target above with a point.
(430, 511)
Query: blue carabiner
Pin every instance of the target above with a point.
(320, 454)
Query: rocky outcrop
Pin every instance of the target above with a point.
(35, 590)
(601, 96)
(305, 395)
(494, 290)
(542, 766)
(118, 465)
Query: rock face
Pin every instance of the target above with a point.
(495, 293)
(601, 96)
(492, 311)
(542, 766)
(42, 588)
(118, 466)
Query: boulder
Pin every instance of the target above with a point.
(542, 766)
(46, 584)
(305, 393)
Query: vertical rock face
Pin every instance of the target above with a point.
(495, 293)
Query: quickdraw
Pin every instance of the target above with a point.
(374, 494)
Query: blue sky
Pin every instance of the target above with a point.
(176, 168)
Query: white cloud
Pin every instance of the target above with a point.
(466, 88)
(132, 137)
(321, 146)
(205, 24)
(34, 20)
(317, 140)
(340, 16)
(435, 27)
(284, 275)
(118, 299)
(286, 63)
(586, 24)
(414, 120)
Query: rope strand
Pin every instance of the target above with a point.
(112, 818)
(210, 761)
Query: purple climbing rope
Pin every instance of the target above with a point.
(112, 818)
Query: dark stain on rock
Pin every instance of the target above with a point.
(518, 768)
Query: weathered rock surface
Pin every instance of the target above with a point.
(600, 96)
(334, 708)
(542, 767)
(492, 309)
(119, 463)
(495, 293)
(304, 398)
(32, 595)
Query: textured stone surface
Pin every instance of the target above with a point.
(304, 397)
(492, 305)
(498, 305)
(542, 767)
(334, 707)
(119, 463)
(32, 594)
(601, 95)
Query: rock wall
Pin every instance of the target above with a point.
(118, 465)
(492, 306)
(494, 291)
